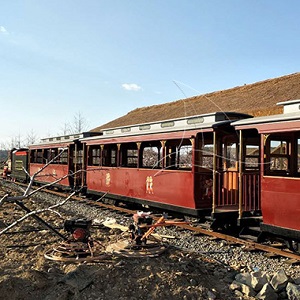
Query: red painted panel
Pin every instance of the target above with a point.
(268, 127)
(51, 173)
(168, 187)
(21, 153)
(281, 201)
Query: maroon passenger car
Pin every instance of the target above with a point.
(167, 164)
(66, 170)
(280, 169)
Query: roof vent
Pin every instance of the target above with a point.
(291, 106)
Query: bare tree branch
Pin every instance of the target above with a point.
(3, 199)
(35, 212)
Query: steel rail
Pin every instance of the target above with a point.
(251, 245)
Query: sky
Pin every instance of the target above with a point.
(104, 58)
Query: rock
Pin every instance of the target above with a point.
(235, 286)
(279, 280)
(61, 293)
(297, 281)
(211, 295)
(41, 279)
(267, 293)
(238, 293)
(258, 280)
(2, 224)
(80, 278)
(283, 295)
(247, 290)
(293, 291)
(244, 278)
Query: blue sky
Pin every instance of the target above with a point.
(104, 58)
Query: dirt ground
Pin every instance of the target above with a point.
(26, 274)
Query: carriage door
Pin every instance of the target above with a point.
(203, 169)
(75, 165)
(229, 180)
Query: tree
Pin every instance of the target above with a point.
(31, 138)
(79, 123)
(66, 129)
(20, 142)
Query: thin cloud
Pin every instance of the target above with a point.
(3, 30)
(131, 87)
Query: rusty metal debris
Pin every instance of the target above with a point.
(140, 244)
(127, 249)
(76, 252)
(79, 247)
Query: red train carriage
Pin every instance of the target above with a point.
(67, 166)
(167, 164)
(280, 169)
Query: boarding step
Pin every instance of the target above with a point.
(249, 221)
(250, 233)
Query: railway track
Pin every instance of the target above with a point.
(248, 245)
(271, 251)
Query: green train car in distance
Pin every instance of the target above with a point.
(19, 162)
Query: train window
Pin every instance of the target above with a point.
(109, 156)
(39, 156)
(206, 156)
(152, 157)
(171, 152)
(51, 154)
(278, 152)
(179, 154)
(113, 157)
(144, 127)
(63, 159)
(80, 157)
(278, 156)
(230, 155)
(185, 157)
(132, 157)
(94, 156)
(129, 155)
(48, 154)
(251, 157)
(167, 124)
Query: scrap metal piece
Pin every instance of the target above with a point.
(126, 248)
(75, 252)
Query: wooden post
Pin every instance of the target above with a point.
(214, 173)
(241, 167)
(164, 157)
